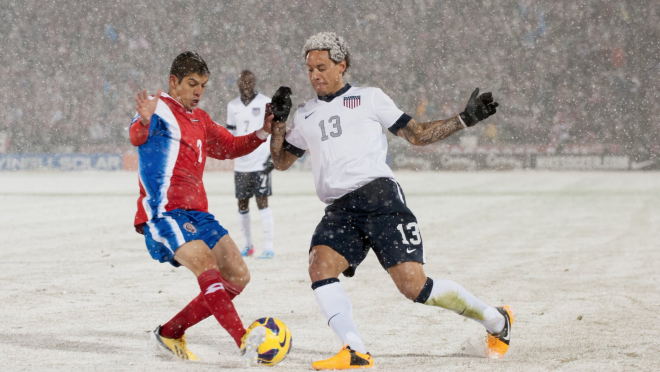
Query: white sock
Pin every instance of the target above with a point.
(451, 296)
(338, 311)
(244, 223)
(267, 224)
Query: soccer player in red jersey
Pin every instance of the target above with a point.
(173, 138)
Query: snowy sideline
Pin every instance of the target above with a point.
(572, 253)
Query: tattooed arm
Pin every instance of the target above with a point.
(479, 107)
(423, 134)
(282, 159)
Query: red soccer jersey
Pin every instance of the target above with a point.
(172, 152)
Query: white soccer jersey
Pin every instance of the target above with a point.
(242, 120)
(344, 135)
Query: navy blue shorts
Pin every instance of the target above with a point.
(375, 216)
(164, 235)
(250, 184)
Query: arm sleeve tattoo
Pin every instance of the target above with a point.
(281, 158)
(430, 132)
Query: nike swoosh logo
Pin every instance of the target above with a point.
(309, 115)
(193, 120)
(507, 337)
(332, 317)
(411, 250)
(508, 329)
(283, 342)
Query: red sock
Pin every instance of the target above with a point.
(195, 312)
(219, 302)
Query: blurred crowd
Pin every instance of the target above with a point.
(564, 71)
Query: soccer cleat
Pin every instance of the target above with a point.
(177, 346)
(266, 255)
(346, 358)
(247, 251)
(250, 343)
(498, 344)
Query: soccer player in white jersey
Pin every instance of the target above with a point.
(342, 128)
(252, 172)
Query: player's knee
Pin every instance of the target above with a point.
(262, 202)
(243, 204)
(209, 262)
(237, 274)
(314, 270)
(325, 263)
(318, 270)
(240, 279)
(203, 263)
(243, 278)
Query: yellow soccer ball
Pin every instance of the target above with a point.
(278, 341)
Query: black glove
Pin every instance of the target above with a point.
(478, 108)
(281, 104)
(268, 166)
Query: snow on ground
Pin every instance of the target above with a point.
(575, 254)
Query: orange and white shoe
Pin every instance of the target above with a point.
(346, 358)
(498, 344)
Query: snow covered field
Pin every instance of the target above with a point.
(577, 256)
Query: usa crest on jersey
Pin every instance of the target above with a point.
(256, 111)
(352, 102)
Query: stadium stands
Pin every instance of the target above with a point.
(565, 72)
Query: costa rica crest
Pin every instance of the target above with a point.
(190, 227)
(352, 101)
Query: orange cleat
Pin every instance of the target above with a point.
(498, 344)
(345, 359)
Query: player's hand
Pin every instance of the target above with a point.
(268, 119)
(268, 165)
(478, 108)
(146, 106)
(281, 104)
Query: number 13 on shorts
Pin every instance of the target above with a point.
(413, 230)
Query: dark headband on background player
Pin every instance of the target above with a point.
(334, 44)
(188, 63)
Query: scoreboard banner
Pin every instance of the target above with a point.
(63, 162)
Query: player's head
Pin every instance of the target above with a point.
(246, 83)
(188, 77)
(327, 58)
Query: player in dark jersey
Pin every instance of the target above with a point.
(174, 137)
(342, 128)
